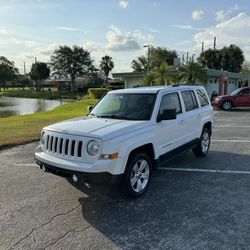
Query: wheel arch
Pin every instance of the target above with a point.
(147, 149)
(208, 125)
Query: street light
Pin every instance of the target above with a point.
(148, 46)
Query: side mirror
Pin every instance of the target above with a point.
(167, 114)
(241, 94)
(90, 108)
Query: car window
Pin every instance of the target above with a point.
(202, 97)
(171, 101)
(245, 92)
(189, 100)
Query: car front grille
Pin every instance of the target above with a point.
(66, 146)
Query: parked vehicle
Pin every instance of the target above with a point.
(128, 134)
(238, 98)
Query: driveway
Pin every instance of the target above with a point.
(192, 203)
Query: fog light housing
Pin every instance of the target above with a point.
(109, 156)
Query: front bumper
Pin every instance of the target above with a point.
(98, 178)
(100, 172)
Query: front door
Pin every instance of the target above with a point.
(243, 98)
(169, 133)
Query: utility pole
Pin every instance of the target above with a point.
(214, 42)
(187, 58)
(24, 69)
(183, 59)
(202, 47)
(193, 57)
(148, 46)
(35, 59)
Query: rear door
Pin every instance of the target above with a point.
(191, 116)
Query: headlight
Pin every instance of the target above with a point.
(93, 147)
(42, 139)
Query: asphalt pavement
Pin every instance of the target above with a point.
(192, 203)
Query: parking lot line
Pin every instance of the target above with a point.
(25, 164)
(231, 126)
(241, 141)
(204, 170)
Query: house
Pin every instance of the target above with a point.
(221, 82)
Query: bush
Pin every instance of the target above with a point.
(97, 93)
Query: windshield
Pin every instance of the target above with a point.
(235, 92)
(125, 106)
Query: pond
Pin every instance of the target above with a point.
(21, 106)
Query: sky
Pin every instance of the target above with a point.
(119, 28)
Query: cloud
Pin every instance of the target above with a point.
(118, 40)
(153, 30)
(184, 27)
(3, 31)
(70, 29)
(233, 31)
(123, 4)
(222, 15)
(197, 14)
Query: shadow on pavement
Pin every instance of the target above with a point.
(181, 210)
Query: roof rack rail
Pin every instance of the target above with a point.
(185, 84)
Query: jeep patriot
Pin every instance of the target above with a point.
(128, 134)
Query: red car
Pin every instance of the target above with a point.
(238, 98)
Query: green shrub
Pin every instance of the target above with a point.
(97, 93)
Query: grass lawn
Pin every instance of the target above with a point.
(32, 93)
(21, 129)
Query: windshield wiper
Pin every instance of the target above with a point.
(113, 117)
(93, 115)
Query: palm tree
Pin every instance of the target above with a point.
(106, 66)
(192, 72)
(164, 75)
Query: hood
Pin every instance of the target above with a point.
(105, 129)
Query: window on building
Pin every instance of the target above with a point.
(189, 100)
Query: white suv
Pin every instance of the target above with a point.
(127, 134)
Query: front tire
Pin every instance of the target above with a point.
(226, 105)
(202, 147)
(137, 175)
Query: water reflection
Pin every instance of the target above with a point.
(21, 106)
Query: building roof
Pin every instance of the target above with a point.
(210, 72)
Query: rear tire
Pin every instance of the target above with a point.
(202, 147)
(226, 105)
(137, 175)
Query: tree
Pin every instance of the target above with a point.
(245, 69)
(140, 64)
(71, 63)
(156, 57)
(228, 58)
(192, 72)
(162, 75)
(7, 71)
(106, 66)
(211, 59)
(39, 72)
(232, 58)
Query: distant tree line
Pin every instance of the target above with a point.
(65, 62)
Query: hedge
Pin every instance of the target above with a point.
(97, 93)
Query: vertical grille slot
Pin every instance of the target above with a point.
(60, 145)
(79, 151)
(51, 143)
(73, 147)
(66, 147)
(55, 148)
(47, 142)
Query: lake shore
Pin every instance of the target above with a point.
(20, 129)
(52, 94)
